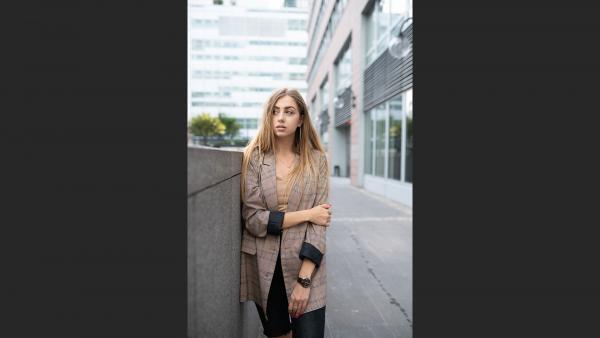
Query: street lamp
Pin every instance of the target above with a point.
(338, 103)
(400, 45)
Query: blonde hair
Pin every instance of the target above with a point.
(305, 139)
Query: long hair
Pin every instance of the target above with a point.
(305, 139)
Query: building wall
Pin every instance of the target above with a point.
(233, 74)
(347, 27)
(351, 25)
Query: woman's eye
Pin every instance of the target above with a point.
(289, 112)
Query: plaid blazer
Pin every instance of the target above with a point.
(260, 247)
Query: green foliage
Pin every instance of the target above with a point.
(232, 127)
(395, 128)
(206, 126)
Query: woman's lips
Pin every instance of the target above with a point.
(280, 128)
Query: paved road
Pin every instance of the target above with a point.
(369, 262)
(369, 266)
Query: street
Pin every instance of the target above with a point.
(369, 262)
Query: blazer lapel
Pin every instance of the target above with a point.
(268, 181)
(295, 196)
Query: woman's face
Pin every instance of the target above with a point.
(286, 117)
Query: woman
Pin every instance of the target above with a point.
(285, 185)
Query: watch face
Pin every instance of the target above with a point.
(305, 282)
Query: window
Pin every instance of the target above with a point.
(384, 15)
(251, 104)
(380, 136)
(395, 138)
(199, 44)
(275, 43)
(389, 139)
(408, 161)
(338, 9)
(323, 114)
(213, 104)
(296, 25)
(369, 143)
(343, 71)
(248, 123)
(297, 61)
(296, 76)
(324, 96)
(313, 110)
(203, 23)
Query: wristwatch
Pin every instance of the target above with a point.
(305, 282)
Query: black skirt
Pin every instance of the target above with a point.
(311, 324)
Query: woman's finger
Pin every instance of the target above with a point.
(297, 308)
(304, 305)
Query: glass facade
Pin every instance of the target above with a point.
(369, 144)
(408, 174)
(334, 19)
(324, 114)
(395, 138)
(389, 139)
(380, 132)
(237, 55)
(385, 16)
(343, 71)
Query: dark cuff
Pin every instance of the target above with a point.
(311, 252)
(275, 223)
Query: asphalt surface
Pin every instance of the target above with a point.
(369, 263)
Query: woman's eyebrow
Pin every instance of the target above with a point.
(286, 107)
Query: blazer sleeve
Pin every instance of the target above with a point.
(258, 220)
(314, 246)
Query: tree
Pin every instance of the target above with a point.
(232, 127)
(205, 125)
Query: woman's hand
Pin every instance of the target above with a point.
(299, 300)
(321, 214)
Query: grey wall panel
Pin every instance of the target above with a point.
(344, 113)
(214, 239)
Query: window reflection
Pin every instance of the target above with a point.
(395, 138)
(379, 117)
(391, 121)
(369, 143)
(408, 176)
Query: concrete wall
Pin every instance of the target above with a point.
(214, 235)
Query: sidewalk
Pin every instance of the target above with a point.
(369, 263)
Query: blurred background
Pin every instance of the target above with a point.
(352, 62)
(350, 59)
